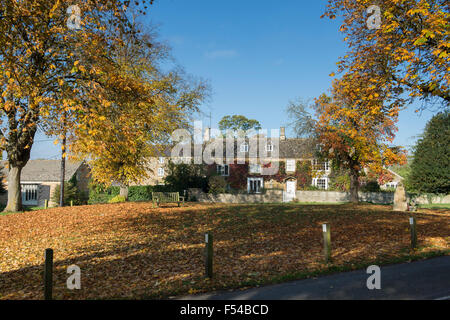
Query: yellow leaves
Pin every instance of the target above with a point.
(55, 142)
(332, 74)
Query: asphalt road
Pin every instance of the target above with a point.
(427, 279)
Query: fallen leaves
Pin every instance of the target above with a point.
(132, 250)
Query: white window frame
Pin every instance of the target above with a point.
(290, 165)
(243, 147)
(269, 147)
(316, 183)
(223, 170)
(161, 172)
(255, 180)
(161, 160)
(323, 165)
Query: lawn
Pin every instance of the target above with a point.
(132, 250)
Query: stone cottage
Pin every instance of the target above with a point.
(40, 178)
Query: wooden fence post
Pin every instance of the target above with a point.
(326, 242)
(208, 255)
(48, 274)
(71, 203)
(412, 223)
(46, 204)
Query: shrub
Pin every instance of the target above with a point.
(371, 186)
(117, 199)
(217, 184)
(71, 193)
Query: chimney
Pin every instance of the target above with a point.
(207, 135)
(282, 133)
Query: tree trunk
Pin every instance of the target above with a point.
(124, 191)
(354, 185)
(14, 190)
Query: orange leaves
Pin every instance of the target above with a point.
(131, 250)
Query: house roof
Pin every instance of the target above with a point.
(295, 148)
(45, 170)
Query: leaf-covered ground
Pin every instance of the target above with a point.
(132, 250)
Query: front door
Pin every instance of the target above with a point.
(291, 188)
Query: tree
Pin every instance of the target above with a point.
(182, 176)
(430, 168)
(407, 52)
(47, 70)
(238, 123)
(301, 120)
(136, 122)
(354, 132)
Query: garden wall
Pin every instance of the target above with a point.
(306, 196)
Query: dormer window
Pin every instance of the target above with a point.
(244, 147)
(269, 147)
(161, 160)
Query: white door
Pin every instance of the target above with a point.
(291, 188)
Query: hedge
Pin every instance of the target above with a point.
(98, 194)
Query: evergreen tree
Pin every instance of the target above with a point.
(430, 169)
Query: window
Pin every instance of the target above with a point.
(161, 160)
(29, 194)
(223, 170)
(321, 183)
(269, 147)
(321, 165)
(244, 147)
(160, 172)
(255, 168)
(254, 185)
(290, 165)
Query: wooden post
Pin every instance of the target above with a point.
(326, 242)
(412, 224)
(46, 204)
(71, 203)
(208, 255)
(48, 274)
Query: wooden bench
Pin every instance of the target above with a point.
(166, 197)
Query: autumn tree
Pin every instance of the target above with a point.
(401, 45)
(143, 106)
(47, 69)
(355, 132)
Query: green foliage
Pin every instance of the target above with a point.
(71, 193)
(430, 169)
(217, 184)
(117, 199)
(183, 176)
(371, 186)
(101, 194)
(238, 122)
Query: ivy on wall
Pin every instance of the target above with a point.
(238, 174)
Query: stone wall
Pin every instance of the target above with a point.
(305, 196)
(268, 196)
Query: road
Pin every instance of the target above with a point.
(426, 279)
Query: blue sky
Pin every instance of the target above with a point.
(257, 55)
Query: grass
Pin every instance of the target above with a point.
(435, 206)
(25, 209)
(132, 251)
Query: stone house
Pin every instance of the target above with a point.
(40, 178)
(248, 170)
